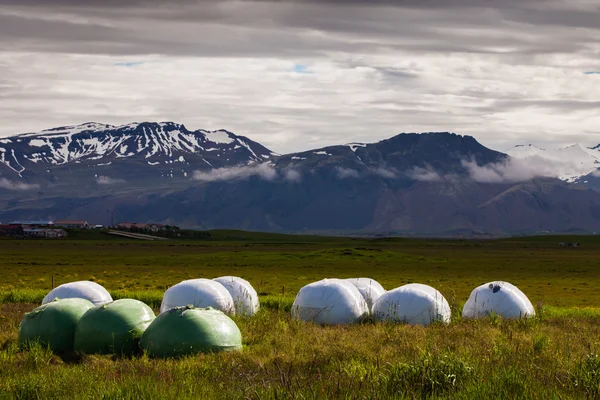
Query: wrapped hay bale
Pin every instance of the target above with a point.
(187, 330)
(245, 298)
(330, 302)
(83, 290)
(370, 289)
(198, 293)
(415, 304)
(53, 324)
(113, 328)
(500, 298)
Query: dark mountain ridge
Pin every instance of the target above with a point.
(408, 184)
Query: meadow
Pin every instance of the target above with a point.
(554, 355)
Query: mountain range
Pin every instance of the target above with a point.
(435, 184)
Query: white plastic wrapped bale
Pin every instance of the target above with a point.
(501, 298)
(369, 288)
(330, 302)
(200, 293)
(415, 304)
(244, 296)
(81, 290)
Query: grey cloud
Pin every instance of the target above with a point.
(19, 186)
(518, 170)
(384, 173)
(105, 180)
(424, 174)
(408, 55)
(284, 28)
(291, 175)
(346, 173)
(264, 171)
(560, 105)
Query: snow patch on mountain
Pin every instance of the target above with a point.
(155, 143)
(355, 146)
(221, 137)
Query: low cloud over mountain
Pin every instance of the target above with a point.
(430, 184)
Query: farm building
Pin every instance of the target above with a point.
(34, 223)
(72, 224)
(141, 226)
(11, 230)
(44, 233)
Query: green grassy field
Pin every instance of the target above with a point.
(555, 355)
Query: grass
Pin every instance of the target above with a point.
(550, 356)
(548, 273)
(554, 355)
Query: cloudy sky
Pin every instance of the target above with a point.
(303, 74)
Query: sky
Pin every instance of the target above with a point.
(296, 75)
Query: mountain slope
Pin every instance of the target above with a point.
(139, 150)
(399, 155)
(409, 184)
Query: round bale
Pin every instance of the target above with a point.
(199, 293)
(113, 328)
(414, 304)
(330, 302)
(187, 330)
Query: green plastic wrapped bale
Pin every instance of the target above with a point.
(53, 324)
(188, 330)
(113, 328)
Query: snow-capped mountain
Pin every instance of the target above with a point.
(429, 183)
(571, 163)
(169, 147)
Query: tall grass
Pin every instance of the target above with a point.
(550, 357)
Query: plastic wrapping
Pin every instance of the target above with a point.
(53, 324)
(188, 330)
(199, 293)
(501, 298)
(243, 294)
(113, 328)
(415, 304)
(82, 289)
(330, 302)
(369, 288)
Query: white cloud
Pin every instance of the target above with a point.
(427, 174)
(515, 170)
(384, 172)
(105, 180)
(291, 175)
(264, 171)
(10, 185)
(345, 173)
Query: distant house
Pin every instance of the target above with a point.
(33, 223)
(141, 226)
(157, 227)
(44, 233)
(11, 230)
(72, 224)
(131, 225)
